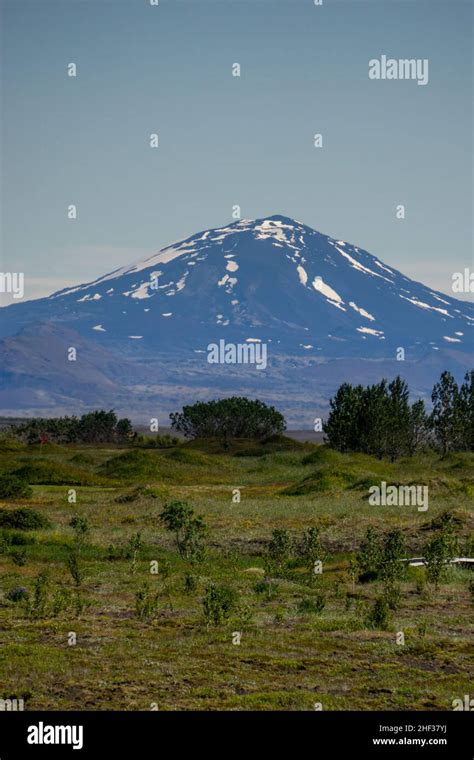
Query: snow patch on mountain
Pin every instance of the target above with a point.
(369, 331)
(362, 312)
(142, 291)
(359, 266)
(331, 295)
(302, 274)
(423, 305)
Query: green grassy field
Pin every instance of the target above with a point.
(290, 657)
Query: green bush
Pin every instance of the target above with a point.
(15, 538)
(471, 589)
(379, 615)
(18, 557)
(17, 594)
(23, 519)
(190, 583)
(14, 487)
(311, 605)
(265, 586)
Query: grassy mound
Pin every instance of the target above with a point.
(181, 465)
(46, 472)
(9, 443)
(322, 482)
(247, 447)
(187, 456)
(82, 458)
(322, 455)
(133, 465)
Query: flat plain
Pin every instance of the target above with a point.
(292, 655)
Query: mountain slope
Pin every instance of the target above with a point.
(272, 279)
(315, 301)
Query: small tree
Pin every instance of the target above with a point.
(342, 426)
(466, 401)
(419, 427)
(165, 575)
(218, 604)
(176, 516)
(397, 428)
(369, 556)
(81, 528)
(446, 415)
(135, 546)
(280, 548)
(146, 602)
(311, 549)
(123, 429)
(375, 420)
(75, 566)
(392, 568)
(189, 530)
(37, 605)
(439, 551)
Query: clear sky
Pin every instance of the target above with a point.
(228, 140)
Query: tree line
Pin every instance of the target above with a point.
(94, 427)
(380, 420)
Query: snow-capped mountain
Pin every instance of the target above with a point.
(327, 310)
(274, 280)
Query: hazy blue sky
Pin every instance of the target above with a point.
(227, 140)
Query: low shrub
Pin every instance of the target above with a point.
(311, 605)
(379, 616)
(23, 519)
(17, 594)
(14, 487)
